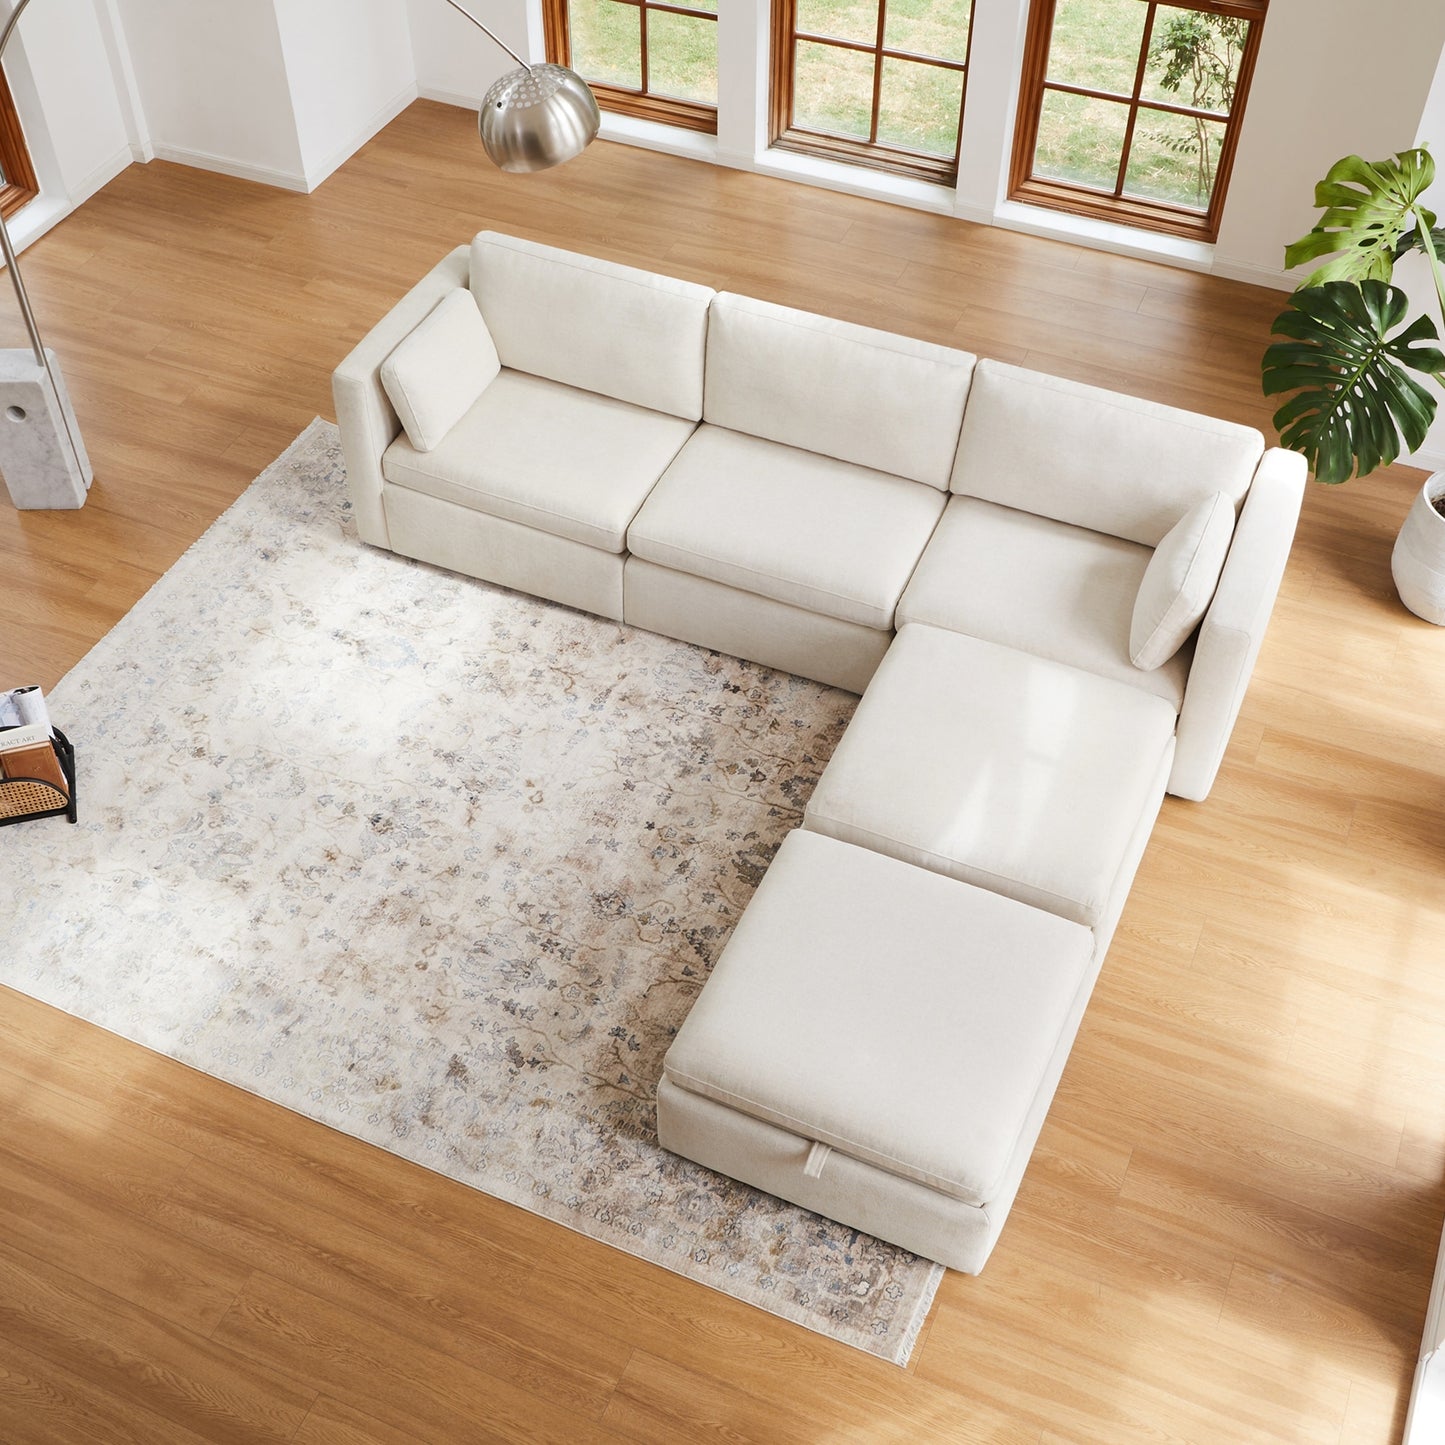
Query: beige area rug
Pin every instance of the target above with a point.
(441, 866)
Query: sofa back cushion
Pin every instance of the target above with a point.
(862, 396)
(1095, 458)
(611, 329)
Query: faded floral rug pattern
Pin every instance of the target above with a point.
(441, 866)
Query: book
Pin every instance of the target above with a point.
(36, 761)
(24, 737)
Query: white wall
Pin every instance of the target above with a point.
(454, 61)
(742, 66)
(1334, 78)
(213, 86)
(349, 70)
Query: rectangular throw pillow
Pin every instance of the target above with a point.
(1179, 581)
(439, 371)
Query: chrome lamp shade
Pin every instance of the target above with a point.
(537, 117)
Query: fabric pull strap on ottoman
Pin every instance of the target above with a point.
(880, 1044)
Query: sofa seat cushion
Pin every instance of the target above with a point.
(1046, 587)
(791, 525)
(1002, 769)
(568, 462)
(899, 1017)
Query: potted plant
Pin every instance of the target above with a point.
(1351, 356)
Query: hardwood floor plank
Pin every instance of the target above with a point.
(333, 1422)
(282, 1328)
(1112, 1385)
(134, 1259)
(177, 1374)
(42, 1403)
(286, 1229)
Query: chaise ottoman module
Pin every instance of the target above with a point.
(879, 1044)
(883, 1034)
(1079, 582)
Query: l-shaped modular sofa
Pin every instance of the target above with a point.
(1050, 597)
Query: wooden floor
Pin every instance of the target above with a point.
(1228, 1229)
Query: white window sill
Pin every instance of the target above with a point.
(786, 165)
(652, 135)
(1105, 236)
(856, 180)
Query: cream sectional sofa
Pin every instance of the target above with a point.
(1078, 581)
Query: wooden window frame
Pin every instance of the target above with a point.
(666, 109)
(873, 153)
(20, 186)
(1135, 211)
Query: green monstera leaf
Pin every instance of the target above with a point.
(1355, 397)
(1369, 205)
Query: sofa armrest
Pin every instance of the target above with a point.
(1233, 628)
(368, 421)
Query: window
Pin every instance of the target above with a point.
(1129, 108)
(875, 82)
(641, 57)
(20, 183)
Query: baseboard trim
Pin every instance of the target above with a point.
(449, 97)
(223, 165)
(1253, 275)
(379, 120)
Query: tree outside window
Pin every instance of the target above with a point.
(1129, 108)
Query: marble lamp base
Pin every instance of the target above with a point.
(41, 467)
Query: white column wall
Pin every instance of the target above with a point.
(995, 62)
(349, 70)
(743, 34)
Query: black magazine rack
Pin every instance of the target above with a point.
(23, 793)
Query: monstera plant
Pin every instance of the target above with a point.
(1352, 358)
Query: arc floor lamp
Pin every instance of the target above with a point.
(533, 118)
